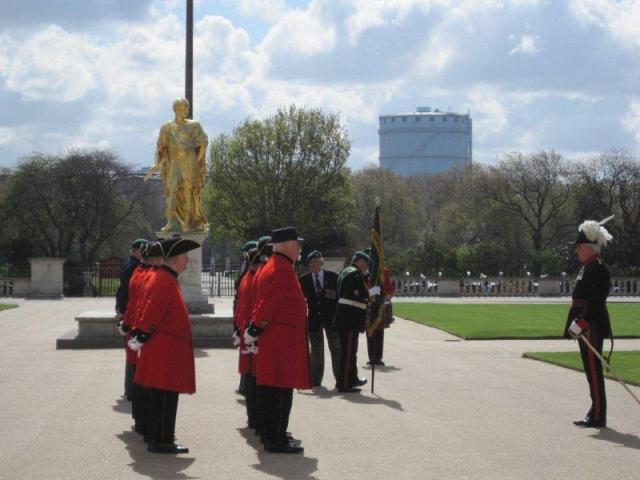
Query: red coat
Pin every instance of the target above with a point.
(242, 317)
(136, 291)
(166, 360)
(281, 309)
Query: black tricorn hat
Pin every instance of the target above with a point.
(314, 254)
(286, 234)
(155, 249)
(177, 245)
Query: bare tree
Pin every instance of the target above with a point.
(536, 190)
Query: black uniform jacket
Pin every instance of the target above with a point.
(122, 295)
(590, 297)
(321, 305)
(353, 295)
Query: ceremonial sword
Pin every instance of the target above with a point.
(608, 367)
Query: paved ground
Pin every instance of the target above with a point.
(443, 409)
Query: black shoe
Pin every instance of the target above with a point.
(370, 362)
(159, 447)
(286, 448)
(589, 423)
(292, 441)
(380, 363)
(360, 382)
(349, 390)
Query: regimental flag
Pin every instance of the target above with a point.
(376, 275)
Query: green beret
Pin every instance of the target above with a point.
(251, 244)
(360, 255)
(138, 243)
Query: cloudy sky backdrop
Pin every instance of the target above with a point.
(534, 74)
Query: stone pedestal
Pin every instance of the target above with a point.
(97, 329)
(549, 287)
(191, 280)
(448, 288)
(46, 277)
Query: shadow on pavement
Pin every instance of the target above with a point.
(122, 406)
(385, 369)
(286, 466)
(277, 464)
(625, 439)
(364, 398)
(200, 353)
(154, 465)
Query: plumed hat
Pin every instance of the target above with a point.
(594, 232)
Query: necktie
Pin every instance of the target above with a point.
(318, 286)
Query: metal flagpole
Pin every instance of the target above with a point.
(608, 367)
(188, 64)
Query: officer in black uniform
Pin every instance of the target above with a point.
(350, 319)
(320, 289)
(589, 317)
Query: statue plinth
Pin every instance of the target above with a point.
(191, 279)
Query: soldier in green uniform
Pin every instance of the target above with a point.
(589, 317)
(350, 319)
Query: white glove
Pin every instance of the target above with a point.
(134, 344)
(236, 339)
(249, 339)
(577, 327)
(122, 332)
(373, 291)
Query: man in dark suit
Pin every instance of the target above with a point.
(320, 289)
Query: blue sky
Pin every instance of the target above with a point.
(535, 74)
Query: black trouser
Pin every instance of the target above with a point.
(375, 345)
(242, 388)
(251, 400)
(349, 357)
(163, 407)
(333, 340)
(140, 409)
(316, 351)
(129, 375)
(275, 410)
(595, 377)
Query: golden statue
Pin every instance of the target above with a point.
(181, 162)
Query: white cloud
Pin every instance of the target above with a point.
(528, 44)
(304, 32)
(489, 114)
(53, 64)
(631, 121)
(619, 17)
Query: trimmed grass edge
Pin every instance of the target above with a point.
(533, 356)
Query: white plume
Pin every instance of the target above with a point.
(595, 232)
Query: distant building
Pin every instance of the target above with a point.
(424, 141)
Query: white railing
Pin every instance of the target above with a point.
(503, 287)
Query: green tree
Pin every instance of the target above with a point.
(399, 217)
(288, 169)
(73, 205)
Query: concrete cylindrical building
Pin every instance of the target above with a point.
(424, 141)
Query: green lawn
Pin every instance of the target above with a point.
(4, 306)
(626, 364)
(501, 321)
